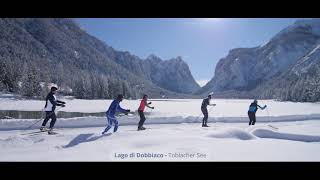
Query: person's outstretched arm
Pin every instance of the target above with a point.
(211, 104)
(120, 109)
(62, 105)
(147, 104)
(262, 108)
(61, 102)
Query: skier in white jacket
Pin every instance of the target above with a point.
(51, 103)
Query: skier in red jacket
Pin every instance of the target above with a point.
(143, 104)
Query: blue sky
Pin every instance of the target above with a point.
(201, 42)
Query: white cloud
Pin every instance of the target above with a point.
(202, 82)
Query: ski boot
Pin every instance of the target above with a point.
(51, 132)
(43, 129)
(115, 128)
(106, 129)
(141, 128)
(205, 125)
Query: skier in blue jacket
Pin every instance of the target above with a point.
(252, 111)
(113, 108)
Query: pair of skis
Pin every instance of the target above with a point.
(40, 132)
(130, 115)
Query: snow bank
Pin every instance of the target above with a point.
(235, 133)
(266, 133)
(81, 122)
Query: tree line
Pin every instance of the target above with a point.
(32, 80)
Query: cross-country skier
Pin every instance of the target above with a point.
(205, 103)
(51, 103)
(252, 111)
(113, 108)
(143, 104)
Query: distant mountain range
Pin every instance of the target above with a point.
(286, 68)
(37, 50)
(62, 53)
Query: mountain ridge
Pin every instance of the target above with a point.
(256, 72)
(54, 44)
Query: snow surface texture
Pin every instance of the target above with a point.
(220, 142)
(174, 133)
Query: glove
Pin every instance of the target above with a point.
(152, 107)
(62, 105)
(149, 102)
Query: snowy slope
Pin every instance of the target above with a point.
(257, 72)
(311, 25)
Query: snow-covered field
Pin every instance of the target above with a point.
(174, 133)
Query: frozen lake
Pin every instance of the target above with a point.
(174, 134)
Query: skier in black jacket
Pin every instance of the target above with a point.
(51, 103)
(205, 103)
(252, 111)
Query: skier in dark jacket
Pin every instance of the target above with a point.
(205, 103)
(143, 104)
(252, 111)
(50, 107)
(113, 108)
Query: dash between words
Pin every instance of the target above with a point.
(159, 155)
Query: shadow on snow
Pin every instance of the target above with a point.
(82, 138)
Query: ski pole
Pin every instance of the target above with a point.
(198, 116)
(269, 119)
(267, 109)
(41, 118)
(42, 113)
(210, 109)
(202, 113)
